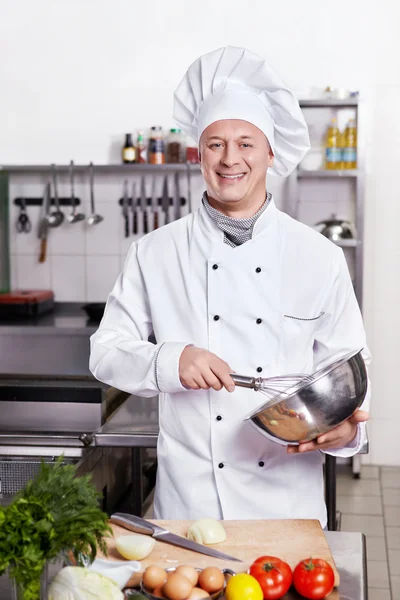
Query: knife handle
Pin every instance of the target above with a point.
(126, 225)
(133, 523)
(145, 222)
(43, 250)
(155, 219)
(135, 223)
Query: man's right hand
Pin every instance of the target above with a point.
(201, 369)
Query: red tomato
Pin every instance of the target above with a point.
(274, 576)
(313, 578)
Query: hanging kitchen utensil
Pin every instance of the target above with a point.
(154, 203)
(177, 198)
(56, 217)
(43, 228)
(74, 217)
(139, 525)
(336, 229)
(165, 200)
(23, 224)
(134, 210)
(143, 205)
(93, 219)
(125, 208)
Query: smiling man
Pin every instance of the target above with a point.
(236, 286)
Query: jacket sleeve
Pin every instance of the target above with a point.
(342, 331)
(121, 354)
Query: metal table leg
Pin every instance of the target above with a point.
(137, 484)
(330, 490)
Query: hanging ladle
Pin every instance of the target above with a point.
(56, 217)
(74, 217)
(93, 218)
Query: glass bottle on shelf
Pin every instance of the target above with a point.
(128, 151)
(4, 235)
(350, 145)
(175, 146)
(333, 146)
(141, 150)
(156, 146)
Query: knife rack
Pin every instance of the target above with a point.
(158, 201)
(39, 201)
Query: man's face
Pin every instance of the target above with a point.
(235, 156)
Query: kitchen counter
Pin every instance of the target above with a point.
(348, 551)
(68, 318)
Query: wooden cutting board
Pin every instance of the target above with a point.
(291, 540)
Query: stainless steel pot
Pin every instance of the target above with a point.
(336, 229)
(313, 405)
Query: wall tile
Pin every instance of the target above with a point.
(68, 239)
(68, 273)
(104, 238)
(101, 274)
(14, 271)
(32, 274)
(385, 449)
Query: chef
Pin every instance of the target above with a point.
(238, 286)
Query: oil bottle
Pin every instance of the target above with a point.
(333, 146)
(350, 145)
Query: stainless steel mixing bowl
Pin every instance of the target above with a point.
(315, 405)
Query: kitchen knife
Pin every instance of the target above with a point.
(177, 198)
(165, 199)
(125, 212)
(143, 204)
(154, 203)
(139, 525)
(43, 228)
(134, 211)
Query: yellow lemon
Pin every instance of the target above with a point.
(243, 587)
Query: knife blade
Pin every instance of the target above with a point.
(165, 199)
(134, 211)
(177, 199)
(125, 212)
(43, 228)
(143, 204)
(154, 204)
(139, 525)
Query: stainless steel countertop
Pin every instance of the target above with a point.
(68, 318)
(134, 423)
(348, 550)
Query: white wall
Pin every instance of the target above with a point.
(76, 75)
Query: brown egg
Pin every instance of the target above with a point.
(154, 577)
(158, 592)
(188, 572)
(211, 579)
(198, 593)
(177, 587)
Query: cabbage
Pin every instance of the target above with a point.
(78, 583)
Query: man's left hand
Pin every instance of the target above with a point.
(338, 437)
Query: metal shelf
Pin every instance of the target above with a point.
(117, 168)
(326, 102)
(327, 173)
(348, 243)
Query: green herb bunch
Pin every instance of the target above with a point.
(55, 513)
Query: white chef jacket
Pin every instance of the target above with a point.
(186, 285)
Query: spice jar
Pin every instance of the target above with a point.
(192, 154)
(156, 155)
(175, 146)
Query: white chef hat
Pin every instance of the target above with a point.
(234, 83)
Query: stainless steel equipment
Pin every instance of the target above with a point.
(336, 229)
(57, 216)
(139, 525)
(94, 218)
(74, 217)
(311, 405)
